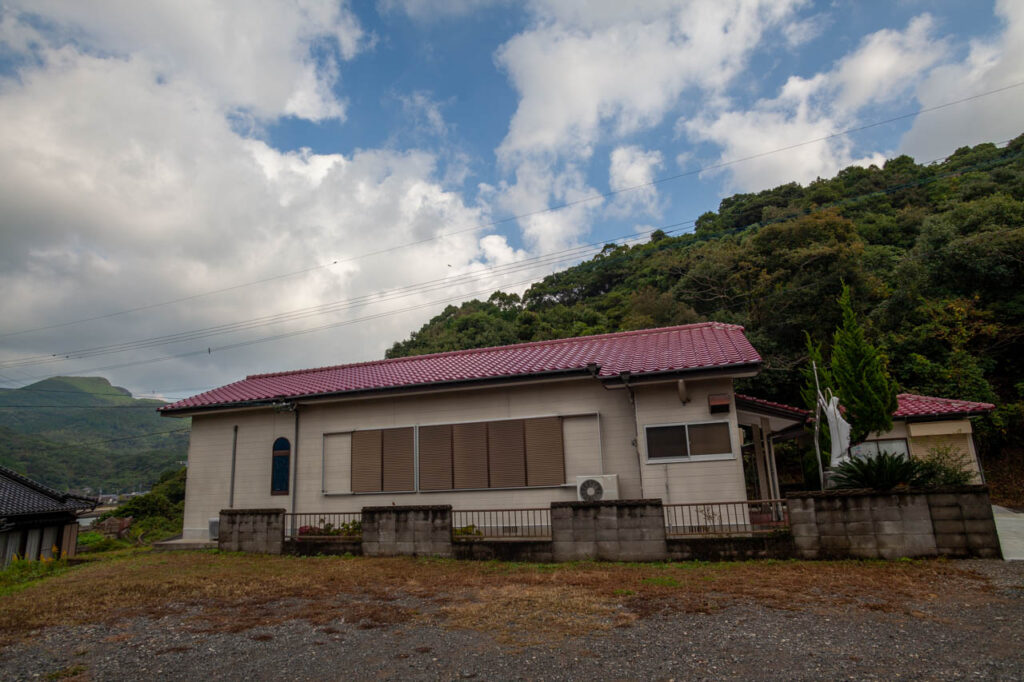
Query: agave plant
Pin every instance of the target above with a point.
(882, 472)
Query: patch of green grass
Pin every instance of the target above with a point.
(20, 574)
(623, 593)
(88, 538)
(662, 581)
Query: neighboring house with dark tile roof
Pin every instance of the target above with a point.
(511, 427)
(37, 521)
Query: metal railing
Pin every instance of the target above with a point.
(480, 524)
(339, 525)
(726, 518)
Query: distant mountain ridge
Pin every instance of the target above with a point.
(84, 434)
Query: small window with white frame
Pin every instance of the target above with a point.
(871, 448)
(688, 442)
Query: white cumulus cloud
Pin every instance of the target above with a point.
(630, 171)
(884, 68)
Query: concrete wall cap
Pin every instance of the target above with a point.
(240, 512)
(573, 504)
(866, 492)
(408, 508)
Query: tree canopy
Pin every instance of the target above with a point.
(931, 255)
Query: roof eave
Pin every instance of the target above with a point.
(739, 369)
(406, 388)
(771, 411)
(946, 416)
(736, 369)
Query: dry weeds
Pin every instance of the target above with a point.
(520, 603)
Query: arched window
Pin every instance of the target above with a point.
(281, 467)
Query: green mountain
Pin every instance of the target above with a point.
(82, 433)
(932, 253)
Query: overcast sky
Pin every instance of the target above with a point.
(168, 167)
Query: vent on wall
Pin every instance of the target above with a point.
(718, 402)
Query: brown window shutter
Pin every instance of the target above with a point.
(710, 439)
(397, 459)
(545, 457)
(436, 457)
(506, 454)
(366, 461)
(469, 455)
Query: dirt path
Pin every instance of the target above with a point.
(971, 628)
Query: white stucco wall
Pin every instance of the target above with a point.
(599, 432)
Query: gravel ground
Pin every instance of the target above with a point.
(945, 639)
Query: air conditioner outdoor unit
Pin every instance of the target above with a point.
(597, 488)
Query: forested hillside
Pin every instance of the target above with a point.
(82, 433)
(934, 255)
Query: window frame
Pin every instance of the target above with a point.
(717, 457)
(416, 455)
(273, 462)
(878, 449)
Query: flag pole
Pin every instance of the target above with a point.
(817, 425)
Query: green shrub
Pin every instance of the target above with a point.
(104, 544)
(154, 529)
(19, 572)
(144, 506)
(882, 472)
(89, 538)
(945, 465)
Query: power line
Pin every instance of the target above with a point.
(84, 407)
(116, 440)
(134, 396)
(556, 207)
(738, 229)
(251, 342)
(326, 308)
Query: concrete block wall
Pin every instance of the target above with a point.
(868, 524)
(771, 546)
(963, 523)
(620, 530)
(422, 530)
(260, 531)
(503, 550)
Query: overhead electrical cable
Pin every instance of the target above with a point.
(843, 202)
(527, 264)
(424, 287)
(556, 207)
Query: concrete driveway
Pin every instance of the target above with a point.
(1010, 527)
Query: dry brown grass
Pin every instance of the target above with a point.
(518, 602)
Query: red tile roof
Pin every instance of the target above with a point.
(647, 351)
(911, 405)
(797, 412)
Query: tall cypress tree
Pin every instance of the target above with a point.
(861, 377)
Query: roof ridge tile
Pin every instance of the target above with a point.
(472, 351)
